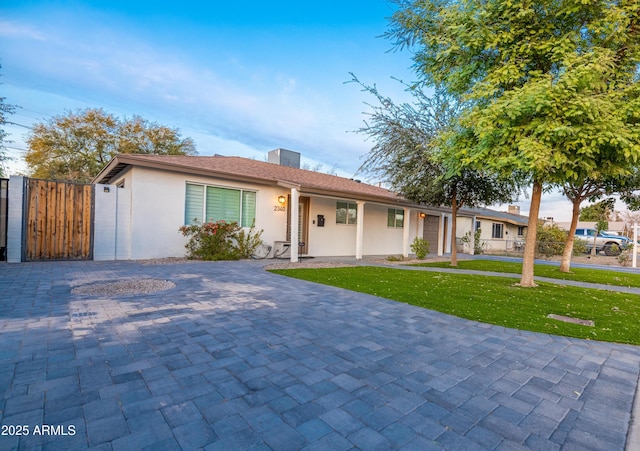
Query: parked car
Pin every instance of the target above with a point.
(611, 244)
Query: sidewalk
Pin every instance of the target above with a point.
(234, 357)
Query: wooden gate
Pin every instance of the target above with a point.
(58, 220)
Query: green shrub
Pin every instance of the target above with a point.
(479, 245)
(550, 240)
(220, 240)
(420, 247)
(248, 242)
(579, 246)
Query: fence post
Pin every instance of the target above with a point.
(635, 244)
(15, 219)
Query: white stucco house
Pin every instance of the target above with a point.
(153, 195)
(139, 202)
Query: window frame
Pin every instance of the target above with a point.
(349, 219)
(392, 219)
(497, 226)
(243, 194)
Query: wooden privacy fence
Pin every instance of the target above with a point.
(58, 220)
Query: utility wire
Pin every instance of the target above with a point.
(19, 125)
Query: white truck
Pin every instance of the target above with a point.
(611, 244)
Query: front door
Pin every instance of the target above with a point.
(303, 224)
(430, 231)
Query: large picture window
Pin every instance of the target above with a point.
(395, 218)
(346, 213)
(212, 203)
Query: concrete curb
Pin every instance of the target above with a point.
(633, 437)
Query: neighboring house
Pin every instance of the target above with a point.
(153, 195)
(499, 231)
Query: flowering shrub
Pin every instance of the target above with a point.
(220, 240)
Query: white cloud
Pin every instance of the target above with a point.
(20, 31)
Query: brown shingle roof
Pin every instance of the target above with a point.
(252, 170)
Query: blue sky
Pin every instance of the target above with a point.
(240, 78)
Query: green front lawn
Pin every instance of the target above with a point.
(599, 276)
(494, 300)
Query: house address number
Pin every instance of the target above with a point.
(279, 208)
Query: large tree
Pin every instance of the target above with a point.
(77, 145)
(5, 110)
(406, 156)
(553, 86)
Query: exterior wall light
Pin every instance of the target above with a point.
(422, 215)
(282, 199)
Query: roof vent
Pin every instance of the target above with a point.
(284, 157)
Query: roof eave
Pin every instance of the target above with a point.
(119, 163)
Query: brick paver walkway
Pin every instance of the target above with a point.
(237, 358)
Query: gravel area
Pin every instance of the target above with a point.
(123, 287)
(313, 265)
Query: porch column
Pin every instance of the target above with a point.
(473, 236)
(441, 235)
(360, 230)
(447, 238)
(405, 232)
(295, 226)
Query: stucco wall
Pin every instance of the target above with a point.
(14, 219)
(112, 223)
(157, 211)
(332, 239)
(380, 239)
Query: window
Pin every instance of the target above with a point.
(346, 213)
(520, 230)
(496, 231)
(395, 217)
(211, 203)
(477, 226)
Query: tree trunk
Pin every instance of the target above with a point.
(565, 264)
(454, 243)
(532, 231)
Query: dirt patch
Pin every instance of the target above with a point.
(168, 261)
(568, 319)
(313, 265)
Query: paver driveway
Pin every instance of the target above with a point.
(237, 358)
